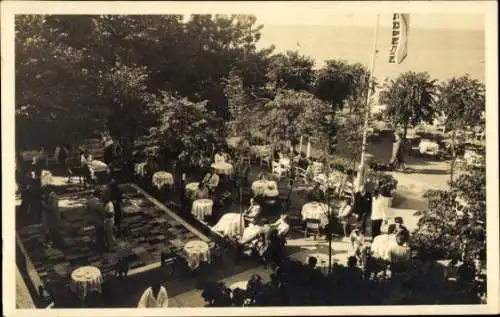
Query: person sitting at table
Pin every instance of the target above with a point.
(316, 194)
(253, 212)
(303, 162)
(154, 297)
(281, 226)
(219, 157)
(201, 192)
(211, 179)
(250, 233)
(83, 158)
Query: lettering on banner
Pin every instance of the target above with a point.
(396, 32)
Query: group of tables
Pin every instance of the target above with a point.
(87, 279)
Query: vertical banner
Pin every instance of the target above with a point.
(399, 40)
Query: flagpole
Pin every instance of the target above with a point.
(362, 168)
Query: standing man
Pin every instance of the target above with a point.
(362, 208)
(115, 196)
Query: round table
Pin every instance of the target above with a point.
(428, 147)
(322, 264)
(316, 211)
(223, 168)
(202, 208)
(46, 178)
(265, 188)
(230, 225)
(196, 251)
(162, 178)
(86, 279)
(240, 284)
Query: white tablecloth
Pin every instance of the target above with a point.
(223, 168)
(265, 188)
(98, 166)
(428, 147)
(139, 168)
(86, 279)
(322, 264)
(46, 178)
(162, 178)
(316, 211)
(472, 158)
(240, 284)
(230, 225)
(315, 168)
(196, 251)
(202, 208)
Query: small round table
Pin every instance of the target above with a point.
(86, 279)
(46, 178)
(196, 251)
(240, 284)
(162, 178)
(230, 224)
(223, 168)
(202, 208)
(316, 211)
(265, 188)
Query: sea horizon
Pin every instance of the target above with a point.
(442, 52)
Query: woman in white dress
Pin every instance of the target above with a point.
(154, 297)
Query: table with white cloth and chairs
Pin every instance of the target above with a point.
(230, 224)
(222, 168)
(316, 211)
(322, 263)
(162, 178)
(428, 147)
(196, 252)
(265, 188)
(202, 208)
(86, 279)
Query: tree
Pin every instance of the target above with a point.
(409, 99)
(184, 129)
(293, 113)
(291, 71)
(461, 101)
(338, 81)
(454, 225)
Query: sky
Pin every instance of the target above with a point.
(314, 17)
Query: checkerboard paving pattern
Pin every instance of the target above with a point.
(148, 231)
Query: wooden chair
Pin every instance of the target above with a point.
(312, 227)
(246, 157)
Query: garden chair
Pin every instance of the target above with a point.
(312, 227)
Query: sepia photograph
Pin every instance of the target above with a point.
(249, 155)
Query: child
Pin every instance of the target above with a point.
(357, 241)
(109, 235)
